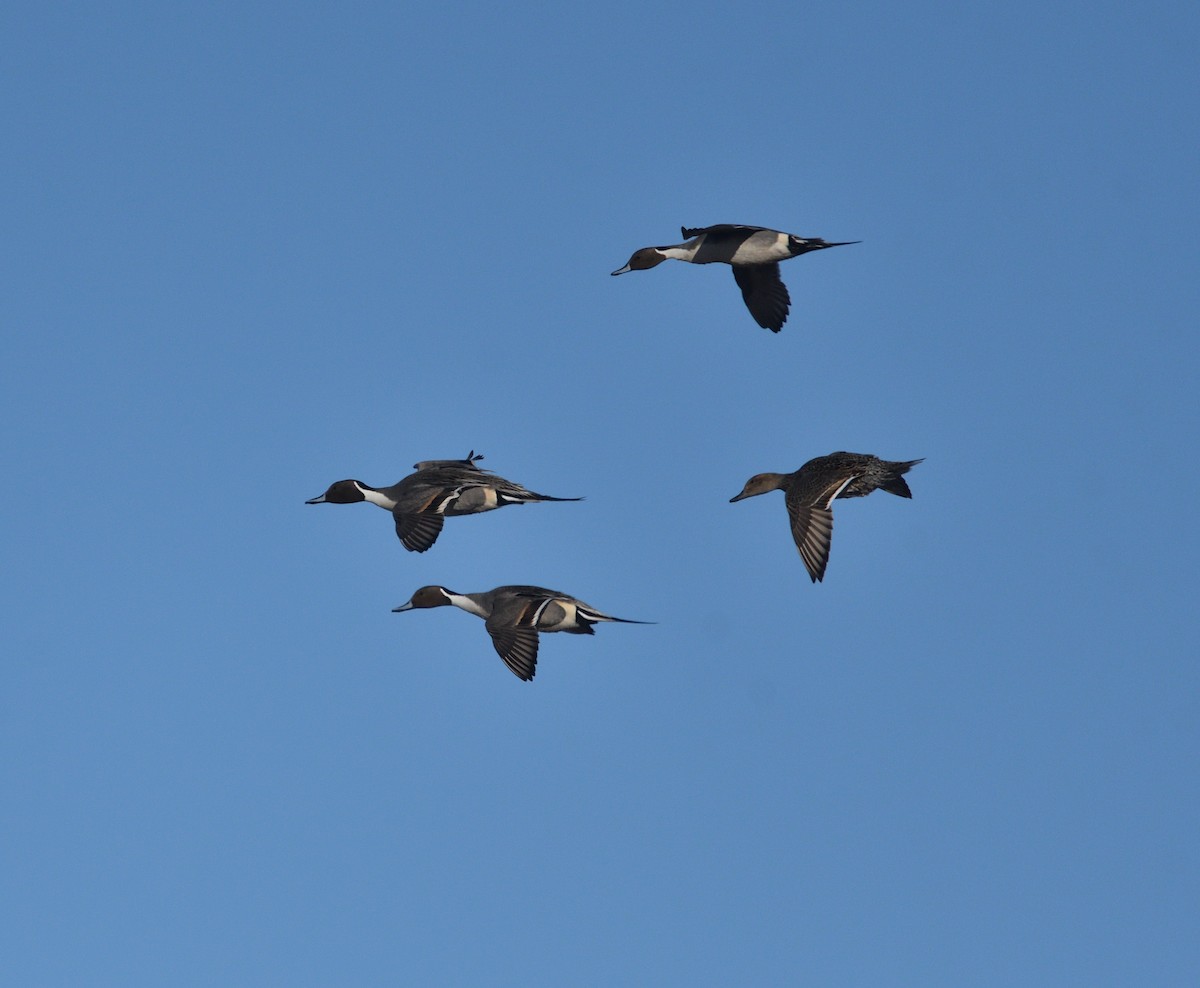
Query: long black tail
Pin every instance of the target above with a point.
(895, 483)
(530, 497)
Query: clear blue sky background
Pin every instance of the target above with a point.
(252, 249)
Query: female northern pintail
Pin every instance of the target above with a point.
(420, 502)
(514, 616)
(754, 252)
(812, 489)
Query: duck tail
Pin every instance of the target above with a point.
(895, 482)
(588, 616)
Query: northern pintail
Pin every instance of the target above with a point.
(754, 252)
(811, 490)
(514, 615)
(421, 501)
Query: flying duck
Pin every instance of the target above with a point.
(514, 615)
(754, 252)
(811, 490)
(421, 501)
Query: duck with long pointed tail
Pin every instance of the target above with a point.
(811, 491)
(754, 253)
(439, 489)
(514, 615)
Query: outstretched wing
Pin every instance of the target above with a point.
(812, 528)
(765, 294)
(812, 525)
(417, 532)
(518, 647)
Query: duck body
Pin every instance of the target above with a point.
(811, 490)
(439, 489)
(514, 615)
(754, 253)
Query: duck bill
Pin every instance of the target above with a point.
(738, 497)
(622, 270)
(317, 500)
(403, 607)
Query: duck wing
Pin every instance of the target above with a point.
(518, 647)
(765, 294)
(417, 532)
(695, 231)
(812, 529)
(812, 524)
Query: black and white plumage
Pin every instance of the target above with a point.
(754, 253)
(811, 491)
(439, 489)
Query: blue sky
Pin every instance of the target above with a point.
(254, 249)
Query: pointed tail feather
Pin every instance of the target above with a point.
(896, 484)
(595, 617)
(523, 496)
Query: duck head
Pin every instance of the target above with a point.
(642, 259)
(760, 483)
(427, 597)
(343, 492)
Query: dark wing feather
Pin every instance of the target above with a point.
(695, 231)
(518, 647)
(812, 524)
(417, 532)
(765, 294)
(812, 528)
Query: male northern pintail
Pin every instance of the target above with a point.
(754, 252)
(811, 490)
(420, 502)
(514, 616)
